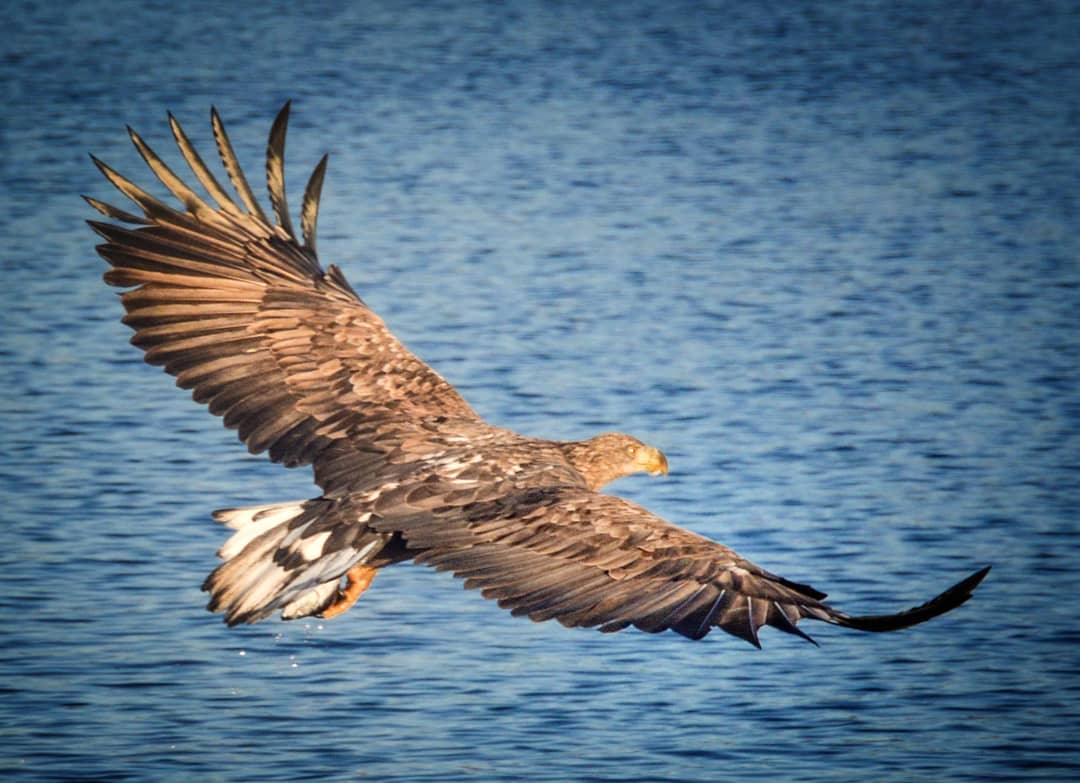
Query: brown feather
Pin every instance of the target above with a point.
(275, 170)
(232, 167)
(200, 170)
(309, 211)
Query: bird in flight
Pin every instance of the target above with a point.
(237, 307)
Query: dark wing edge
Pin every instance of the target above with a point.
(240, 311)
(956, 595)
(593, 560)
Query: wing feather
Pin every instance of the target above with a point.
(115, 213)
(192, 203)
(234, 170)
(587, 559)
(156, 210)
(243, 315)
(201, 171)
(309, 209)
(275, 170)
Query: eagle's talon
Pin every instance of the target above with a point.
(358, 579)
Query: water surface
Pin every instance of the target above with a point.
(825, 258)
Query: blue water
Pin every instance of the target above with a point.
(825, 257)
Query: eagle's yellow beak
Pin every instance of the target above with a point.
(652, 461)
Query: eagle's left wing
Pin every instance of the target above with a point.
(588, 559)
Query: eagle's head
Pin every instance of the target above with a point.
(613, 455)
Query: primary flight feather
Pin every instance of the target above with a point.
(240, 311)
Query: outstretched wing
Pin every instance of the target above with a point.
(587, 559)
(239, 310)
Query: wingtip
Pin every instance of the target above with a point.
(140, 145)
(281, 121)
(99, 228)
(950, 599)
(174, 125)
(962, 590)
(275, 169)
(972, 581)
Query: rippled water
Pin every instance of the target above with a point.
(826, 259)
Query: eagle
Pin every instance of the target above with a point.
(237, 307)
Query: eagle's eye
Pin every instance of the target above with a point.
(631, 450)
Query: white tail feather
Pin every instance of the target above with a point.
(311, 548)
(251, 522)
(278, 558)
(260, 588)
(312, 601)
(237, 518)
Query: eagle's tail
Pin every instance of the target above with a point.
(289, 556)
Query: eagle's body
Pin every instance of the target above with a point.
(238, 308)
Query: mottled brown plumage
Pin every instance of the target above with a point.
(239, 310)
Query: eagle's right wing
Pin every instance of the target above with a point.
(239, 310)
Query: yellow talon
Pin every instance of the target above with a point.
(358, 580)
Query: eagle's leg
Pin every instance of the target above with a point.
(358, 580)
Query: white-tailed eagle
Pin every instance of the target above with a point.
(237, 307)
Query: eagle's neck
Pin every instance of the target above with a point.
(584, 457)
